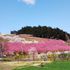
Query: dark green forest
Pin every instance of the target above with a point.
(43, 32)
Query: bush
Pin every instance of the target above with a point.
(63, 56)
(6, 59)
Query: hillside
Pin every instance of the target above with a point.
(23, 38)
(43, 32)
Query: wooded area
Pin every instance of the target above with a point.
(44, 32)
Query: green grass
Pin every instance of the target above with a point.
(52, 66)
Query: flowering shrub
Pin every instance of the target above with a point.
(41, 47)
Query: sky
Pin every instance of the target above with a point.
(15, 14)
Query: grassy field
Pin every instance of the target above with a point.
(65, 65)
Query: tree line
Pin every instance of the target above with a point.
(44, 32)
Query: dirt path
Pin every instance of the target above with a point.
(9, 65)
(14, 64)
(5, 66)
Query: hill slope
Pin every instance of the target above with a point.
(44, 32)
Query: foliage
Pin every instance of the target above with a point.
(7, 59)
(42, 47)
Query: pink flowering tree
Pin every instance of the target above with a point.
(2, 48)
(33, 53)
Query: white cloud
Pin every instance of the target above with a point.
(32, 2)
